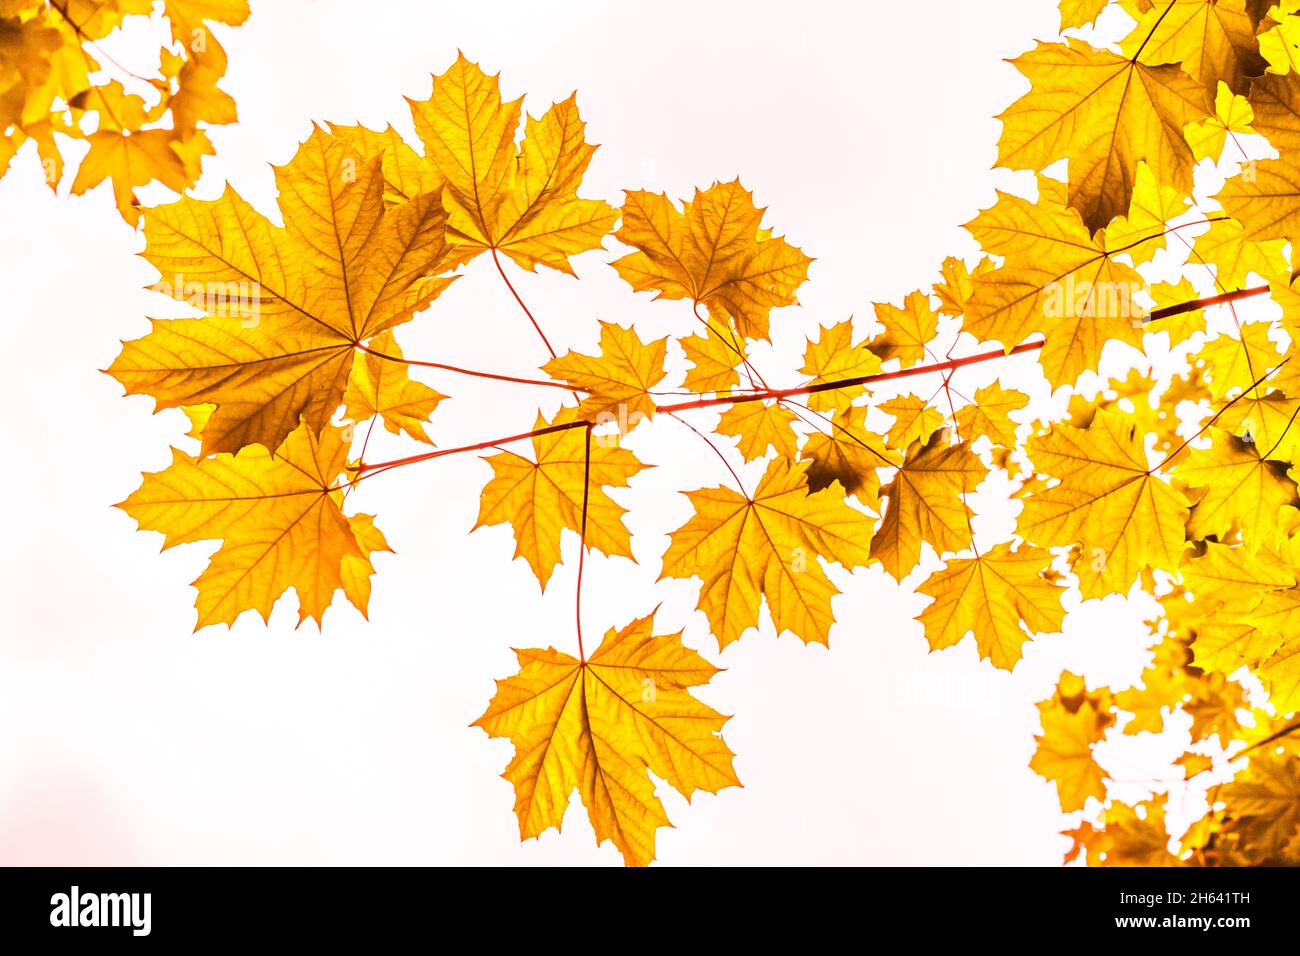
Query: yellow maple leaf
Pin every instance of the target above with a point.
(1266, 798)
(1105, 113)
(769, 547)
(1280, 45)
(833, 358)
(914, 420)
(714, 360)
(1002, 597)
(926, 504)
(760, 426)
(286, 307)
(600, 726)
(1056, 279)
(1132, 839)
(1266, 201)
(618, 379)
(541, 499)
(522, 201)
(1211, 42)
(989, 416)
(1275, 101)
(907, 330)
(1232, 117)
(381, 386)
(1073, 723)
(1080, 13)
(1233, 482)
(1109, 501)
(280, 520)
(851, 454)
(714, 252)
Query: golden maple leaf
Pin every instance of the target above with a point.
(564, 488)
(1234, 482)
(714, 252)
(288, 306)
(927, 504)
(1109, 501)
(1074, 720)
(1057, 279)
(522, 201)
(714, 360)
(768, 547)
(907, 330)
(1105, 113)
(49, 83)
(279, 517)
(833, 358)
(851, 454)
(760, 426)
(381, 386)
(618, 379)
(601, 726)
(1002, 597)
(1212, 42)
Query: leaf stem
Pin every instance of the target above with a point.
(582, 537)
(466, 371)
(509, 285)
(365, 471)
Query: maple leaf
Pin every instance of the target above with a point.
(1211, 42)
(714, 252)
(760, 426)
(1266, 203)
(286, 307)
(1080, 13)
(49, 84)
(957, 283)
(714, 361)
(1267, 797)
(279, 517)
(768, 547)
(914, 420)
(540, 499)
(1056, 279)
(1108, 500)
(381, 386)
(851, 454)
(1232, 117)
(1073, 720)
(1232, 482)
(601, 726)
(1274, 101)
(834, 358)
(618, 379)
(989, 416)
(1279, 46)
(1130, 839)
(521, 201)
(1002, 597)
(1106, 113)
(907, 330)
(926, 504)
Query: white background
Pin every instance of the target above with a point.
(867, 131)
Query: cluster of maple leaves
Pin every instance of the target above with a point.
(1170, 477)
(56, 81)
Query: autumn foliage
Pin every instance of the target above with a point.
(55, 80)
(1133, 266)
